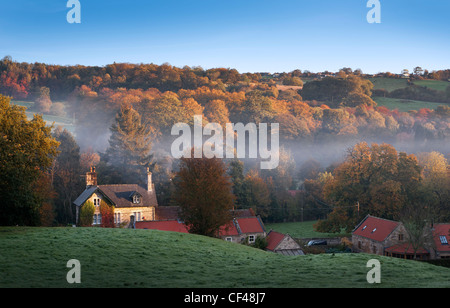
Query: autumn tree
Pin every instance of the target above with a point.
(129, 148)
(43, 102)
(436, 184)
(107, 213)
(378, 178)
(27, 150)
(204, 194)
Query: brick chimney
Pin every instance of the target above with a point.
(91, 178)
(149, 180)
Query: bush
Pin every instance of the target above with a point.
(260, 242)
(87, 214)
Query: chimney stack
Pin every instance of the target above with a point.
(91, 178)
(149, 180)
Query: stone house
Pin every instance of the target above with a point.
(374, 234)
(242, 229)
(386, 237)
(131, 201)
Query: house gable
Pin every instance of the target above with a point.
(374, 228)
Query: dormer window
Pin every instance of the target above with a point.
(136, 199)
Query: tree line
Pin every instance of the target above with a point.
(40, 178)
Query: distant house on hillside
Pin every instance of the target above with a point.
(130, 201)
(238, 230)
(283, 244)
(242, 229)
(386, 237)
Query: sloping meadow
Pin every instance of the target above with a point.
(116, 258)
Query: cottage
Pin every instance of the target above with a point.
(132, 202)
(283, 244)
(243, 229)
(384, 237)
(240, 229)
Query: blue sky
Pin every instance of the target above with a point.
(249, 35)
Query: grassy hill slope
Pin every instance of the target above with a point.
(37, 257)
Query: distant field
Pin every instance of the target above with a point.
(389, 84)
(65, 122)
(433, 84)
(300, 229)
(115, 258)
(404, 105)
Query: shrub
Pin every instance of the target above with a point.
(87, 214)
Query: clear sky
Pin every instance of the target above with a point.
(249, 35)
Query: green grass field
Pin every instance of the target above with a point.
(389, 84)
(438, 85)
(300, 229)
(404, 104)
(37, 257)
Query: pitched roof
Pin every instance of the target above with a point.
(162, 225)
(374, 228)
(86, 194)
(120, 195)
(274, 239)
(243, 212)
(249, 225)
(228, 229)
(441, 235)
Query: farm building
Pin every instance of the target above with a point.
(238, 230)
(283, 244)
(390, 238)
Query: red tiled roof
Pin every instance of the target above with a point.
(442, 230)
(273, 239)
(167, 212)
(375, 228)
(162, 225)
(228, 230)
(405, 248)
(250, 225)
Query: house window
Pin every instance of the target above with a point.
(97, 219)
(400, 237)
(374, 249)
(96, 201)
(251, 238)
(443, 240)
(117, 218)
(228, 239)
(137, 216)
(136, 199)
(359, 244)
